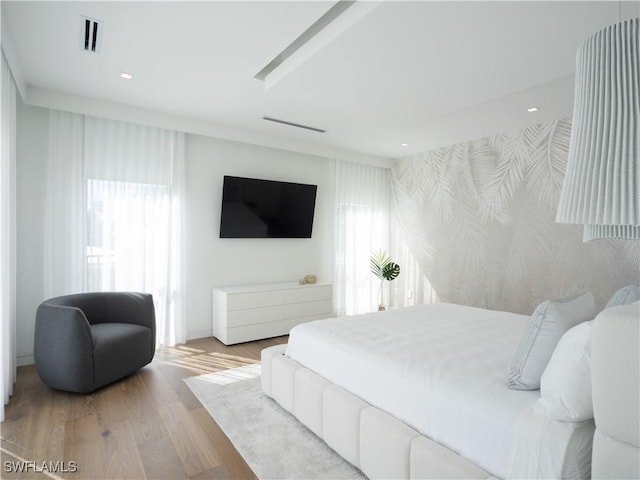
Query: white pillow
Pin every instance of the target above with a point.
(565, 386)
(548, 323)
(624, 296)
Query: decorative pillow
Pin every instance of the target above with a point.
(548, 323)
(565, 386)
(624, 296)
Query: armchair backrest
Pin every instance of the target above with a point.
(111, 307)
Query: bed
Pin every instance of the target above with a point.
(421, 392)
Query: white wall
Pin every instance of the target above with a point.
(210, 261)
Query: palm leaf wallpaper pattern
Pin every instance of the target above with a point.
(475, 223)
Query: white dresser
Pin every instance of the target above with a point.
(251, 312)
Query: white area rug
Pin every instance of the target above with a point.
(272, 441)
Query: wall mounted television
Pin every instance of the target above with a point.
(254, 208)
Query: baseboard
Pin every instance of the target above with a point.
(22, 360)
(199, 334)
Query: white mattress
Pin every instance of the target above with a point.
(442, 369)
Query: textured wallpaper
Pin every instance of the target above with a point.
(474, 223)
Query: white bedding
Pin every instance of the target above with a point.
(442, 369)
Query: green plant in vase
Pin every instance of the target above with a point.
(383, 268)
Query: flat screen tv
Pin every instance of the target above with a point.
(253, 208)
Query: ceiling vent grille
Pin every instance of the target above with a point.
(90, 34)
(292, 124)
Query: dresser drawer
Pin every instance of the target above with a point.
(238, 318)
(320, 307)
(256, 332)
(242, 301)
(308, 293)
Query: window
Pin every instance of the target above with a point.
(128, 235)
(362, 227)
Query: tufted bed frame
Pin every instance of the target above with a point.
(382, 446)
(615, 377)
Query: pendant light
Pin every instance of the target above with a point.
(601, 187)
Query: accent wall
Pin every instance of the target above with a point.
(475, 224)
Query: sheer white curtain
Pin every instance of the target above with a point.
(64, 228)
(361, 227)
(7, 235)
(134, 179)
(118, 216)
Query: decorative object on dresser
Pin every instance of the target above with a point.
(250, 312)
(308, 279)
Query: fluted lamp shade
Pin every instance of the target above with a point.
(602, 180)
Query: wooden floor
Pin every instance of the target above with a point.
(146, 426)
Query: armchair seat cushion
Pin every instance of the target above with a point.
(116, 351)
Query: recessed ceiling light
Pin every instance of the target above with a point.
(404, 144)
(532, 109)
(126, 76)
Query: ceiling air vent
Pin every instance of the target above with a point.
(90, 34)
(291, 124)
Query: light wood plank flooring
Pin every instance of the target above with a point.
(147, 426)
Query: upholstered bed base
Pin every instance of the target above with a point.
(377, 443)
(615, 368)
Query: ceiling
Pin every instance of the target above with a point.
(382, 74)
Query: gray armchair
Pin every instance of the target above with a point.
(88, 340)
